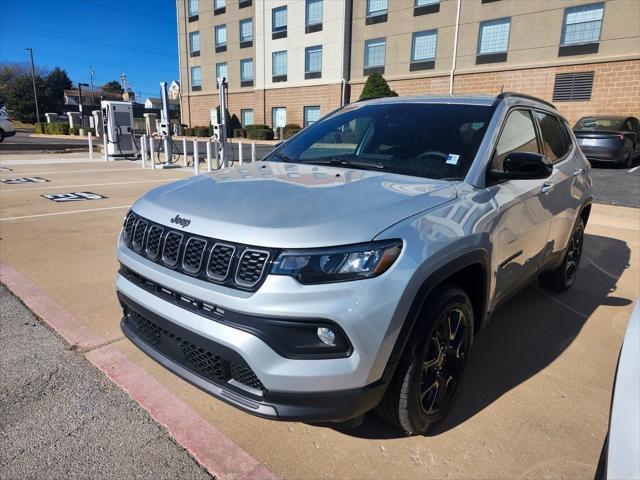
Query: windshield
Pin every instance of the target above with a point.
(592, 123)
(419, 139)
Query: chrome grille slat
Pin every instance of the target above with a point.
(220, 260)
(154, 240)
(193, 255)
(225, 263)
(251, 267)
(171, 250)
(139, 235)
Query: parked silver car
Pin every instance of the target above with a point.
(609, 139)
(352, 267)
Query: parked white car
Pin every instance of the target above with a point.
(621, 453)
(6, 125)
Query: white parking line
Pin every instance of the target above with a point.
(133, 169)
(633, 169)
(87, 185)
(63, 213)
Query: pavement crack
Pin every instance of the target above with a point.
(100, 345)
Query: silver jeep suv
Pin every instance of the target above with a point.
(350, 269)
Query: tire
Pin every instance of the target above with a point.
(1, 135)
(429, 374)
(563, 277)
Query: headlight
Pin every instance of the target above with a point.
(338, 264)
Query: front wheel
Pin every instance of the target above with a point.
(429, 374)
(563, 277)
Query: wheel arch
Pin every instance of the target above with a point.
(471, 272)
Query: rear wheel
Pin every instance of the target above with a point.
(563, 277)
(429, 374)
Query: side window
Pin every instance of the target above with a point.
(518, 135)
(554, 137)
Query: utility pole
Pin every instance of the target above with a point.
(33, 79)
(91, 73)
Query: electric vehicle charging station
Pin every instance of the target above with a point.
(222, 126)
(117, 121)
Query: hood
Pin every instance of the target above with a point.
(287, 205)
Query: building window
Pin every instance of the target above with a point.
(376, 11)
(493, 41)
(193, 8)
(582, 24)
(244, 3)
(246, 72)
(246, 116)
(376, 7)
(573, 86)
(279, 66)
(313, 14)
(311, 115)
(196, 79)
(219, 7)
(194, 44)
(221, 38)
(279, 117)
(313, 62)
(221, 71)
(423, 50)
(423, 7)
(581, 29)
(279, 22)
(246, 32)
(374, 52)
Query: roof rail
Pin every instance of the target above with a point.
(523, 95)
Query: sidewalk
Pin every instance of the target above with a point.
(62, 418)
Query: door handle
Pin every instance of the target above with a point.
(578, 171)
(546, 187)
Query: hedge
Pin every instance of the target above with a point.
(41, 128)
(259, 131)
(198, 131)
(240, 133)
(58, 128)
(260, 134)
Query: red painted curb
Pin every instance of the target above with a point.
(210, 447)
(73, 331)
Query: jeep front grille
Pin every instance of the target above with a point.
(233, 265)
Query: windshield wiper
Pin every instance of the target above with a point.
(347, 163)
(282, 157)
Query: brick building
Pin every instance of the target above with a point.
(295, 60)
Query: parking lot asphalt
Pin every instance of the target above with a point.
(534, 404)
(61, 418)
(617, 186)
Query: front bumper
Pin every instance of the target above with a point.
(221, 372)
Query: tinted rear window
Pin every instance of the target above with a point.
(426, 140)
(593, 123)
(554, 136)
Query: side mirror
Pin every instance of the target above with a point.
(523, 166)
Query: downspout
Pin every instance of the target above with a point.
(187, 72)
(346, 52)
(455, 49)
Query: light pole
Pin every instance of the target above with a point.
(33, 79)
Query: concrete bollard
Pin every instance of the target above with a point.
(143, 150)
(253, 152)
(153, 162)
(196, 157)
(184, 150)
(240, 153)
(208, 156)
(90, 138)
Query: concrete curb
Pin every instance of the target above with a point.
(210, 447)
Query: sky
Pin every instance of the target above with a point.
(135, 37)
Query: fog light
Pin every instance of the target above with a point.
(326, 336)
